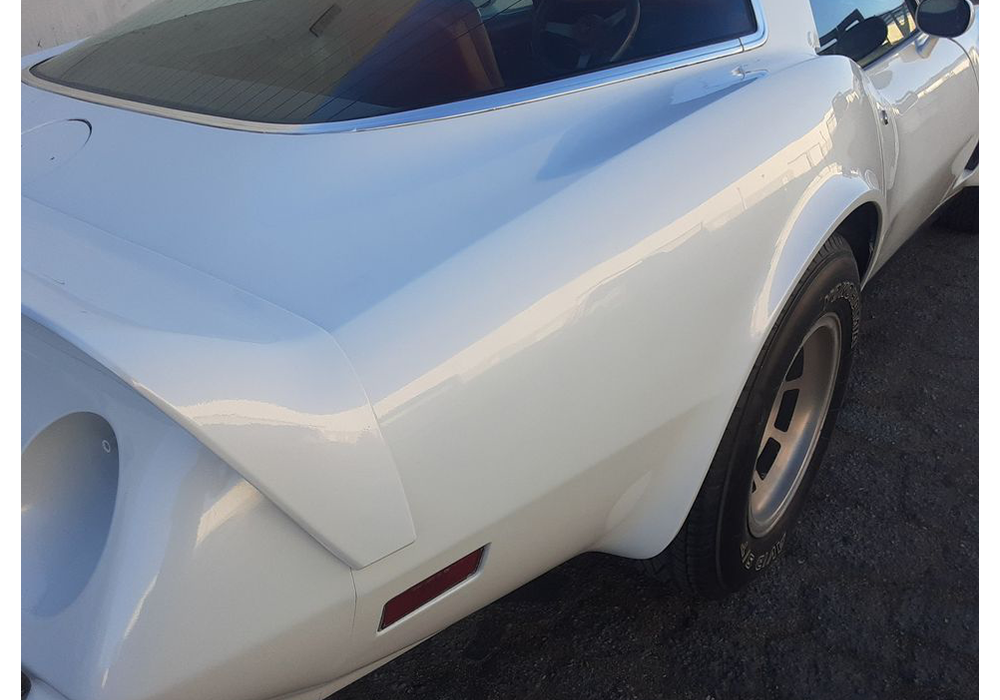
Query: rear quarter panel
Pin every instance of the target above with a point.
(561, 384)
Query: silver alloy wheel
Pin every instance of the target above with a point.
(794, 424)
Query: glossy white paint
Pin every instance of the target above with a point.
(930, 92)
(524, 328)
(970, 41)
(273, 393)
(204, 587)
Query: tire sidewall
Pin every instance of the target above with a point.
(830, 286)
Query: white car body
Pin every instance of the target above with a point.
(383, 347)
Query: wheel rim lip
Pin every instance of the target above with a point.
(771, 495)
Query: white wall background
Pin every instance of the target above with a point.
(47, 23)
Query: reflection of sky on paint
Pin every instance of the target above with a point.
(239, 499)
(346, 426)
(564, 305)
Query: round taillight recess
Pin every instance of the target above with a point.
(69, 482)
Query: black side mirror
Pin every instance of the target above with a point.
(862, 39)
(945, 18)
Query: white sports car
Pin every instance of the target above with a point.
(343, 319)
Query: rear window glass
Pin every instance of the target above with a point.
(309, 61)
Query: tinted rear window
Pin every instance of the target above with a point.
(309, 61)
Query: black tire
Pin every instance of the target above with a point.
(962, 212)
(715, 552)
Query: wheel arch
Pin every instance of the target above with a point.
(861, 230)
(848, 205)
(851, 205)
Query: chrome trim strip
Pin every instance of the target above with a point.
(475, 105)
(759, 37)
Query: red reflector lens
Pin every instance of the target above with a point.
(430, 588)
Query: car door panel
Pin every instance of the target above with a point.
(927, 97)
(928, 91)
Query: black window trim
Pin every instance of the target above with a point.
(451, 110)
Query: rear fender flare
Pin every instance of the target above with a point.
(660, 507)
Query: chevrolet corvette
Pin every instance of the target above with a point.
(341, 320)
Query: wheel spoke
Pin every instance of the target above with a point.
(772, 418)
(794, 423)
(771, 433)
(792, 384)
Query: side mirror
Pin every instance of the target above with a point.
(862, 39)
(945, 18)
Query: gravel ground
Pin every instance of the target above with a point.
(876, 596)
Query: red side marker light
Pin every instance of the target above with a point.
(430, 588)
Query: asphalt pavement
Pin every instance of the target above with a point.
(876, 595)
